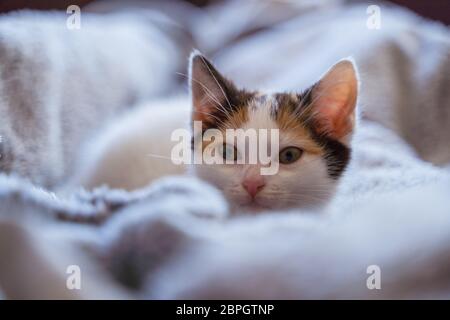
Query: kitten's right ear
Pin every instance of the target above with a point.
(209, 90)
(334, 100)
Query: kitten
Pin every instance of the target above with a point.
(315, 129)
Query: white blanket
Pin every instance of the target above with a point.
(175, 239)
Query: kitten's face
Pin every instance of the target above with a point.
(314, 129)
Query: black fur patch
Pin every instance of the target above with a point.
(337, 155)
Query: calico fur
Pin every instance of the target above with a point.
(318, 120)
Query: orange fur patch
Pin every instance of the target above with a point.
(291, 126)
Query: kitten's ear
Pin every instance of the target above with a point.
(210, 91)
(333, 100)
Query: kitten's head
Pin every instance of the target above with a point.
(314, 127)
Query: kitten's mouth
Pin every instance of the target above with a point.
(254, 206)
(248, 204)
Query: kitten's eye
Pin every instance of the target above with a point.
(290, 154)
(228, 152)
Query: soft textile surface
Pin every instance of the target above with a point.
(59, 86)
(175, 239)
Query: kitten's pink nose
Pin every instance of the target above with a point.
(253, 185)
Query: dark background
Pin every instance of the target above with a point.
(433, 9)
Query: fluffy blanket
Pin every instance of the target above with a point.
(59, 86)
(176, 238)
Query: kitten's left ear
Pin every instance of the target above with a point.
(210, 91)
(333, 100)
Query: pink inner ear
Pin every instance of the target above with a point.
(202, 110)
(337, 113)
(335, 101)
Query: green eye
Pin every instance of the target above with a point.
(290, 155)
(228, 152)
